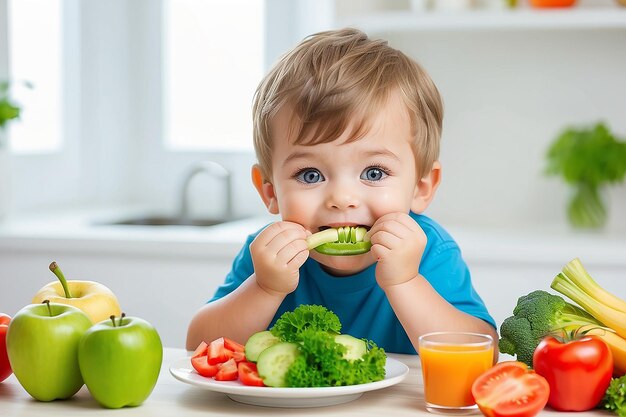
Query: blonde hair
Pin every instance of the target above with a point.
(337, 79)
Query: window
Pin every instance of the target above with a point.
(213, 63)
(35, 53)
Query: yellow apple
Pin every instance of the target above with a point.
(93, 298)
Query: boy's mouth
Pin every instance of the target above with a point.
(340, 241)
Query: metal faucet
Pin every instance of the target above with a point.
(213, 169)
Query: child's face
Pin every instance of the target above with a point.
(338, 184)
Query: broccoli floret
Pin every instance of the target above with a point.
(535, 316)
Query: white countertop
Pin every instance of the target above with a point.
(86, 230)
(81, 230)
(171, 397)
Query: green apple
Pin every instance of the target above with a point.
(120, 360)
(42, 343)
(95, 299)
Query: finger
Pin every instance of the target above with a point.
(379, 251)
(389, 217)
(285, 238)
(386, 239)
(299, 260)
(289, 251)
(270, 232)
(396, 228)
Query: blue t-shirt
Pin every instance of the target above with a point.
(360, 303)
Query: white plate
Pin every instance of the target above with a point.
(182, 370)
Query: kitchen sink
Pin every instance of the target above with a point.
(168, 221)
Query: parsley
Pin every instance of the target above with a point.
(615, 396)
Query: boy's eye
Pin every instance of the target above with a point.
(373, 174)
(309, 176)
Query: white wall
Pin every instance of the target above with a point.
(507, 95)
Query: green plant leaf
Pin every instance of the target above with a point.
(8, 111)
(592, 156)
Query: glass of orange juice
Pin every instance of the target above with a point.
(451, 361)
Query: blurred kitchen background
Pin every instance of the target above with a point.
(141, 109)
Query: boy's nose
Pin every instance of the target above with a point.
(342, 198)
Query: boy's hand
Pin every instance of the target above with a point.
(277, 253)
(398, 244)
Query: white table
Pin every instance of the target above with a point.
(172, 398)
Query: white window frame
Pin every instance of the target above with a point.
(46, 179)
(113, 149)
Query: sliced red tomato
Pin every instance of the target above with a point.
(227, 371)
(218, 353)
(510, 389)
(218, 359)
(232, 345)
(201, 350)
(239, 356)
(201, 365)
(248, 374)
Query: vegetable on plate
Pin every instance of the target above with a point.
(510, 389)
(309, 351)
(303, 349)
(222, 360)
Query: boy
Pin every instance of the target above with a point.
(346, 132)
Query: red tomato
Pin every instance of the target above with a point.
(578, 371)
(227, 371)
(218, 359)
(217, 352)
(510, 389)
(239, 356)
(5, 366)
(201, 350)
(232, 345)
(552, 3)
(201, 365)
(222, 349)
(249, 375)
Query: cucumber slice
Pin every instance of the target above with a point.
(355, 348)
(257, 343)
(325, 236)
(340, 241)
(344, 249)
(274, 362)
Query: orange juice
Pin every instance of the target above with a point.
(449, 369)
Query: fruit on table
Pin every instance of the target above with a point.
(120, 360)
(552, 3)
(577, 369)
(42, 343)
(5, 366)
(95, 299)
(510, 389)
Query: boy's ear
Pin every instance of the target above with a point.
(425, 189)
(265, 190)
